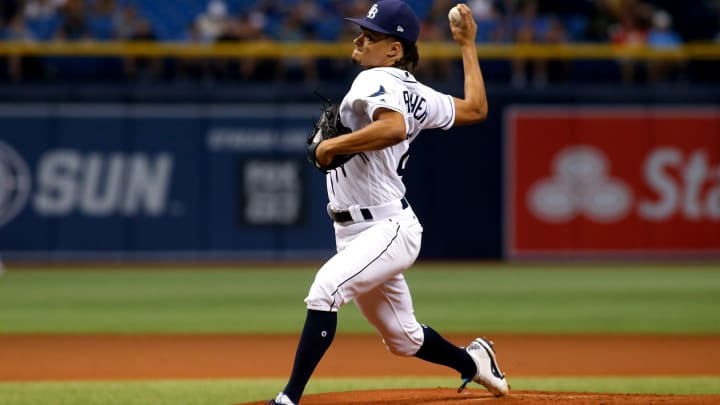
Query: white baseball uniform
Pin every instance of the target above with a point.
(377, 234)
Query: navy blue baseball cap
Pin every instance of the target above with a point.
(391, 17)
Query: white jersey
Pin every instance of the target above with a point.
(375, 177)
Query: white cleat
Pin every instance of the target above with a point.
(488, 372)
(281, 399)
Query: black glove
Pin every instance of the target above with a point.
(327, 126)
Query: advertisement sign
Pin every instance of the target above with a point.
(602, 182)
(166, 182)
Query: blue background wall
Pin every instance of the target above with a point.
(237, 184)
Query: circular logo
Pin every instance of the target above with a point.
(581, 164)
(552, 201)
(580, 184)
(14, 183)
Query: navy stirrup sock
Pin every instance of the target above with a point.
(317, 335)
(436, 349)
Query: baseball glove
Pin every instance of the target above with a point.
(327, 126)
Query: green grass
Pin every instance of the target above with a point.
(456, 298)
(218, 392)
(492, 298)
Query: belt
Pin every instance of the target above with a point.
(369, 213)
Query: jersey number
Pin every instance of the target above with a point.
(403, 163)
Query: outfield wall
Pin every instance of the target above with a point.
(557, 173)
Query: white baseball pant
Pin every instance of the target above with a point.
(372, 255)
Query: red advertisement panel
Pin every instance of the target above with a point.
(613, 182)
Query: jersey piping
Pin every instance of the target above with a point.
(397, 232)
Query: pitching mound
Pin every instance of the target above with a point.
(442, 396)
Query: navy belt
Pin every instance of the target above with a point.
(345, 216)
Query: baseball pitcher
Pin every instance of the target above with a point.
(363, 145)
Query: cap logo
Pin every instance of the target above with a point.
(390, 17)
(372, 12)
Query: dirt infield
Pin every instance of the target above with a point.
(445, 397)
(89, 357)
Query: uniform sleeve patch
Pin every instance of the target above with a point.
(380, 92)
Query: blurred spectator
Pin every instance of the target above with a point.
(662, 36)
(487, 16)
(15, 29)
(211, 24)
(129, 25)
(73, 24)
(481, 9)
(245, 28)
(271, 12)
(309, 13)
(632, 27)
(127, 22)
(40, 8)
(43, 17)
(630, 32)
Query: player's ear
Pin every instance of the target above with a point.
(395, 49)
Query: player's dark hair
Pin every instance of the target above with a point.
(410, 58)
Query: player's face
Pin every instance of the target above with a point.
(374, 49)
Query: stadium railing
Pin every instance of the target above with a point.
(429, 50)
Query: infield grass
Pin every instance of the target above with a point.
(665, 299)
(219, 392)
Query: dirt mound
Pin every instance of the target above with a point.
(442, 396)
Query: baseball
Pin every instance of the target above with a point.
(454, 16)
